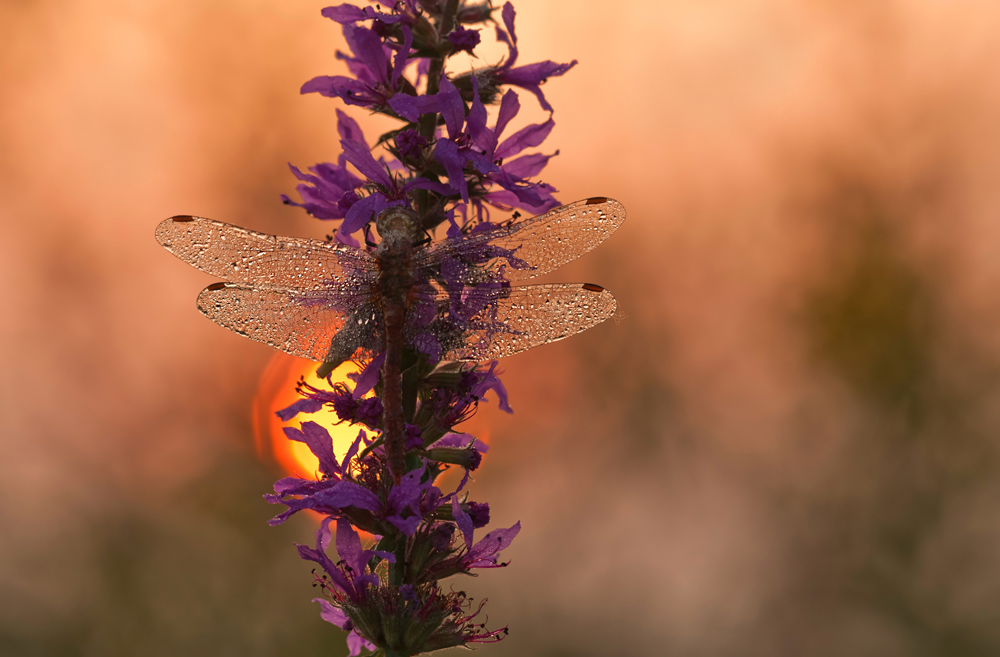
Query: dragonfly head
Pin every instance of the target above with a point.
(398, 225)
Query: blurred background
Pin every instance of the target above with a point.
(785, 444)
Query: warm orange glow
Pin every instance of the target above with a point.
(276, 391)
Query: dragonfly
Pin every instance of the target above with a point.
(450, 299)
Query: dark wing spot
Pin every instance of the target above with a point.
(182, 219)
(592, 287)
(597, 200)
(216, 286)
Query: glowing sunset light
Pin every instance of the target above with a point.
(276, 391)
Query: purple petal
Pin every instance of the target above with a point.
(357, 153)
(347, 493)
(301, 406)
(320, 84)
(482, 162)
(402, 55)
(368, 47)
(508, 14)
(361, 213)
(526, 137)
(411, 107)
(476, 123)
(344, 13)
(355, 642)
(408, 491)
(463, 521)
(368, 377)
(446, 152)
(493, 543)
(337, 86)
(460, 440)
(348, 128)
(318, 439)
(510, 105)
(353, 451)
(349, 547)
(530, 77)
(534, 197)
(406, 525)
(511, 40)
(490, 381)
(527, 166)
(331, 614)
(323, 534)
(451, 107)
(382, 554)
(288, 484)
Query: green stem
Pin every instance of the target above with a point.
(398, 570)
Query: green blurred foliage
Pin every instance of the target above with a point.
(197, 574)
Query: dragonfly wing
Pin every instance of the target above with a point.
(303, 324)
(268, 261)
(541, 244)
(508, 320)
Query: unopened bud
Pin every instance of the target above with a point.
(467, 457)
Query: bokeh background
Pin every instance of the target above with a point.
(785, 444)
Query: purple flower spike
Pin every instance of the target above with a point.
(451, 165)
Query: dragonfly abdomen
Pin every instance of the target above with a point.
(397, 227)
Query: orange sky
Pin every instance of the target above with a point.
(667, 465)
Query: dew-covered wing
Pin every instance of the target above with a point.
(268, 261)
(484, 324)
(304, 324)
(539, 244)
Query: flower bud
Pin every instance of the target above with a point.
(467, 457)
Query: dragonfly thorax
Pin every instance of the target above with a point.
(397, 226)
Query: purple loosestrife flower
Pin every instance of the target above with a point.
(375, 78)
(445, 164)
(529, 77)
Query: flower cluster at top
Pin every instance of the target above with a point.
(446, 159)
(448, 164)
